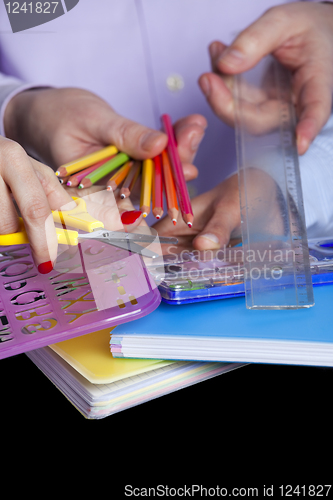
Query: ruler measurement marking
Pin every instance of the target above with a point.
(298, 271)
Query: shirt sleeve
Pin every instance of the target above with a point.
(317, 183)
(9, 88)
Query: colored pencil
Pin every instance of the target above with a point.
(146, 185)
(130, 180)
(75, 179)
(63, 180)
(180, 183)
(119, 176)
(85, 161)
(169, 187)
(103, 170)
(157, 198)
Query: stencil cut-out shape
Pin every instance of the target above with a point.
(132, 300)
(121, 303)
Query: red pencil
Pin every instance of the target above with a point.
(178, 174)
(157, 199)
(169, 187)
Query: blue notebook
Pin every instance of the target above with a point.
(224, 330)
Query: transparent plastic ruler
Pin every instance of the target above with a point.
(275, 245)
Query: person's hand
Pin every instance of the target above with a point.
(217, 218)
(61, 125)
(216, 215)
(36, 191)
(300, 36)
(30, 189)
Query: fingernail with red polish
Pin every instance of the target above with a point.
(45, 267)
(130, 217)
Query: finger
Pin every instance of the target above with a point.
(131, 219)
(56, 195)
(101, 204)
(136, 140)
(190, 171)
(313, 105)
(219, 96)
(8, 219)
(217, 231)
(215, 51)
(189, 133)
(259, 113)
(31, 199)
(220, 218)
(262, 37)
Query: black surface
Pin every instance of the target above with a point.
(258, 425)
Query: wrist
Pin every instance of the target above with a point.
(14, 116)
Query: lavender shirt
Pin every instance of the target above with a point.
(144, 57)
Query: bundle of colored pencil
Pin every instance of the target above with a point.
(162, 173)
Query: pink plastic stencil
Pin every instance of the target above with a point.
(93, 286)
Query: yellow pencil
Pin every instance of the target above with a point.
(86, 161)
(147, 180)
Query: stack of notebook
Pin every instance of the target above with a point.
(224, 330)
(98, 385)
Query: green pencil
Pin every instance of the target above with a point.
(103, 170)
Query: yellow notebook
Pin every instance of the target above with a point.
(90, 356)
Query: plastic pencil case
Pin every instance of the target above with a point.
(193, 278)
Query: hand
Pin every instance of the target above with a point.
(217, 218)
(36, 191)
(300, 36)
(60, 125)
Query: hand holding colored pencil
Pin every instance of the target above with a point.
(164, 172)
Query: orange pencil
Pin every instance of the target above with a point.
(178, 174)
(157, 196)
(170, 189)
(119, 176)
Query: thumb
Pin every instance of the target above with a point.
(217, 231)
(138, 141)
(259, 39)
